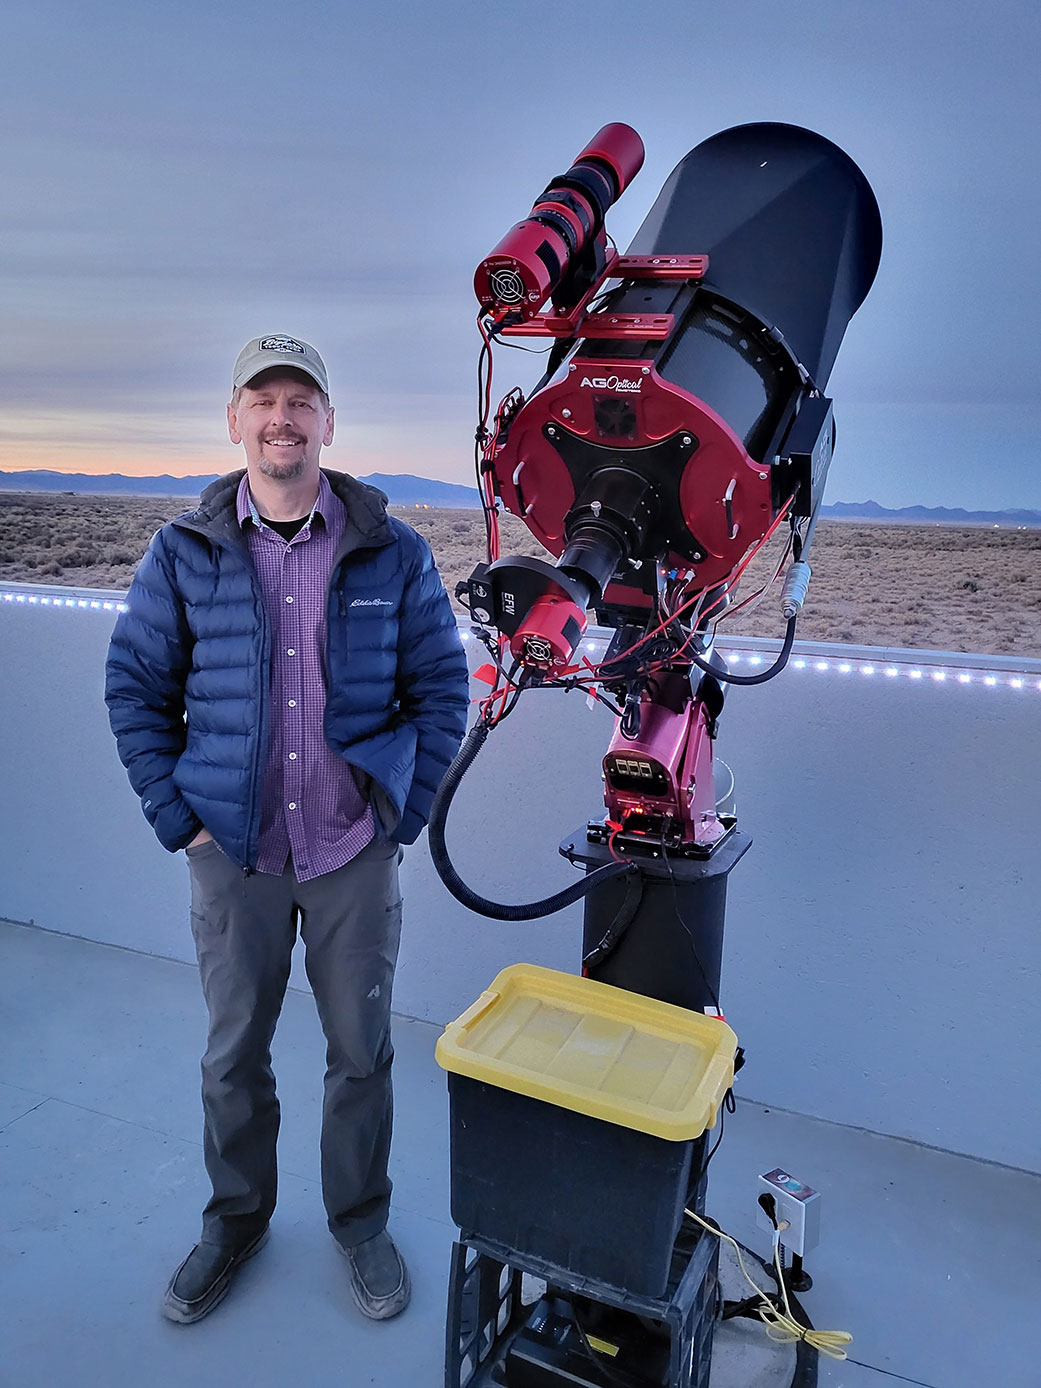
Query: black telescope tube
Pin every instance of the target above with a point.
(791, 228)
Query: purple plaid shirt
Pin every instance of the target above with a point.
(310, 805)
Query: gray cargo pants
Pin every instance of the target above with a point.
(244, 930)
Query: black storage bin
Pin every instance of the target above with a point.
(579, 1114)
(596, 1198)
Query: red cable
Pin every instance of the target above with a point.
(735, 578)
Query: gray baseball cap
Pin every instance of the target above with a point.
(264, 352)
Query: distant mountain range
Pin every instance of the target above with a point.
(929, 515)
(402, 489)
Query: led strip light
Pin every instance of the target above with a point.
(939, 666)
(745, 654)
(56, 600)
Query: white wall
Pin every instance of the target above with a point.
(883, 952)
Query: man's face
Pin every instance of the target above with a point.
(283, 424)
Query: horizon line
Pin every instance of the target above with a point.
(14, 471)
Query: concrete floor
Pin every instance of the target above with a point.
(931, 1260)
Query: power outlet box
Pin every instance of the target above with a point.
(797, 1205)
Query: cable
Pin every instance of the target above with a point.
(749, 604)
(484, 444)
(497, 910)
(700, 618)
(489, 714)
(696, 602)
(624, 917)
(720, 799)
(509, 704)
(597, 1359)
(563, 681)
(715, 1148)
(484, 397)
(679, 652)
(768, 674)
(688, 933)
(781, 1326)
(516, 347)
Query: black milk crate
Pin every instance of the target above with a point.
(496, 1338)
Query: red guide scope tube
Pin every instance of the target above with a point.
(533, 257)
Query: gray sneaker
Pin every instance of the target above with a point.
(204, 1279)
(380, 1282)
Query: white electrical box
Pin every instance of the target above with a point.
(797, 1205)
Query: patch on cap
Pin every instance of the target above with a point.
(278, 349)
(281, 344)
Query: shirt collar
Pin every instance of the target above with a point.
(246, 509)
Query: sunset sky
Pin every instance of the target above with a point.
(179, 179)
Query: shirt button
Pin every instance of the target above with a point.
(289, 599)
(292, 756)
(292, 703)
(290, 651)
(292, 804)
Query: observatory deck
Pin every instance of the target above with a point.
(881, 969)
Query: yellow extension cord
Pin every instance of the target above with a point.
(782, 1327)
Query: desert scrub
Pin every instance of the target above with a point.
(955, 588)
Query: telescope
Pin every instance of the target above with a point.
(559, 248)
(686, 411)
(682, 422)
(681, 426)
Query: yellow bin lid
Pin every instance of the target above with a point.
(595, 1049)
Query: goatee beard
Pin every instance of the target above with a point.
(281, 472)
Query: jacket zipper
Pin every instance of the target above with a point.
(260, 741)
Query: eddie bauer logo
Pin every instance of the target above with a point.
(612, 383)
(372, 602)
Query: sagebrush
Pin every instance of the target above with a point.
(940, 587)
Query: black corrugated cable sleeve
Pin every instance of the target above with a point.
(621, 923)
(496, 910)
(725, 677)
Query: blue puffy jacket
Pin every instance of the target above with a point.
(188, 672)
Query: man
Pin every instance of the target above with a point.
(287, 687)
